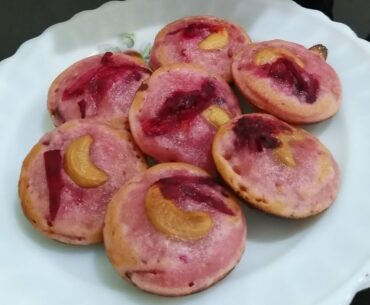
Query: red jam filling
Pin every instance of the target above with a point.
(196, 29)
(82, 106)
(181, 108)
(286, 72)
(257, 133)
(53, 168)
(179, 188)
(97, 82)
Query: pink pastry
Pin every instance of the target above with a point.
(204, 40)
(287, 80)
(275, 167)
(71, 174)
(100, 86)
(173, 230)
(176, 113)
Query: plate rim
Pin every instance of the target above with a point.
(361, 277)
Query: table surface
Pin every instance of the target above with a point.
(18, 25)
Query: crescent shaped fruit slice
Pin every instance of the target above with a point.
(79, 166)
(172, 221)
(275, 167)
(70, 175)
(173, 230)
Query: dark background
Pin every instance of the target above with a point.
(21, 20)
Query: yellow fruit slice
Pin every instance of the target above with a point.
(269, 55)
(216, 115)
(215, 41)
(79, 166)
(168, 219)
(284, 152)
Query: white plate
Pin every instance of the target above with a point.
(320, 261)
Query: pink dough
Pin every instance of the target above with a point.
(297, 87)
(158, 263)
(178, 42)
(100, 86)
(254, 170)
(185, 139)
(79, 218)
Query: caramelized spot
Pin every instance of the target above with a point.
(144, 86)
(168, 219)
(242, 188)
(53, 169)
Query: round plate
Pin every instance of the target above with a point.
(323, 260)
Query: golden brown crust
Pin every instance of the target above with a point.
(23, 187)
(38, 221)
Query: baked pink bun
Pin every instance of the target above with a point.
(288, 81)
(176, 113)
(279, 169)
(71, 174)
(173, 230)
(203, 40)
(101, 87)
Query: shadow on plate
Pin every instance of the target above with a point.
(110, 279)
(264, 228)
(46, 123)
(318, 128)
